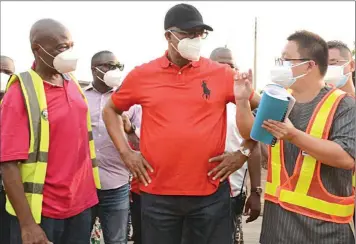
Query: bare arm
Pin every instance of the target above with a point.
(115, 127)
(328, 152)
(254, 167)
(16, 194)
(244, 118)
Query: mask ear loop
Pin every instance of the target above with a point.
(101, 72)
(48, 55)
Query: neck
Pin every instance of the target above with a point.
(349, 87)
(308, 91)
(176, 59)
(50, 76)
(100, 86)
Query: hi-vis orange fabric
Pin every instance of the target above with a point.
(303, 192)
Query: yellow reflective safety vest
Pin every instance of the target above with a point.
(33, 170)
(303, 192)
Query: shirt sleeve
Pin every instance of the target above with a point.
(127, 95)
(14, 133)
(343, 130)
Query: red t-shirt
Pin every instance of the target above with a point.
(69, 185)
(183, 121)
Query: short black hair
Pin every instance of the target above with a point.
(312, 46)
(341, 46)
(97, 56)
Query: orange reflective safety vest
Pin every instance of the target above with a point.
(303, 192)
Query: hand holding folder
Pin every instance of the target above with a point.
(276, 104)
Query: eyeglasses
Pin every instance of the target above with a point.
(111, 66)
(280, 61)
(338, 62)
(193, 34)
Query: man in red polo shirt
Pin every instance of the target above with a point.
(69, 190)
(183, 98)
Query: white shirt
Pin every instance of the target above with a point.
(232, 144)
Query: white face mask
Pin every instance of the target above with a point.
(3, 82)
(189, 48)
(64, 62)
(335, 75)
(112, 78)
(283, 75)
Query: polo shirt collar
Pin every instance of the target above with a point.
(165, 63)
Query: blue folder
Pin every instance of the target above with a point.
(276, 104)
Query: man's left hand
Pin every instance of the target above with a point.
(230, 162)
(253, 207)
(280, 130)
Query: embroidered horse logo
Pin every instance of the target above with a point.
(206, 90)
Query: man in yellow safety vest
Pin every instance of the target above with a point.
(309, 196)
(47, 150)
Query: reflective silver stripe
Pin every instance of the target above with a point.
(34, 110)
(37, 157)
(94, 163)
(90, 135)
(34, 188)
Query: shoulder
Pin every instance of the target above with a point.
(346, 107)
(211, 65)
(13, 96)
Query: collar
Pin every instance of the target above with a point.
(165, 63)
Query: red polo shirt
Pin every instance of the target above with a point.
(69, 185)
(183, 121)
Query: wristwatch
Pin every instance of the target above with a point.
(245, 151)
(258, 190)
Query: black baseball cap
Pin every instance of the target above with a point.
(184, 17)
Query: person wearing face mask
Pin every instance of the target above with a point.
(309, 196)
(185, 198)
(223, 55)
(47, 153)
(113, 206)
(7, 68)
(341, 67)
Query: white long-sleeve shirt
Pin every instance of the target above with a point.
(232, 144)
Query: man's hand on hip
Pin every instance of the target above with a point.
(138, 166)
(230, 162)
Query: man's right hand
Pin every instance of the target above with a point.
(33, 234)
(138, 166)
(243, 85)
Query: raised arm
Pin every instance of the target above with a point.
(246, 100)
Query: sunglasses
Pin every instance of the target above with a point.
(111, 66)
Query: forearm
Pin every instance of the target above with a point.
(134, 140)
(254, 167)
(327, 152)
(244, 118)
(114, 125)
(15, 192)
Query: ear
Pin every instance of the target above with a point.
(168, 36)
(34, 47)
(352, 66)
(312, 64)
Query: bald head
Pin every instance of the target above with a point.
(223, 55)
(7, 65)
(45, 29)
(49, 38)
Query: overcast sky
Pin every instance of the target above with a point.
(134, 30)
